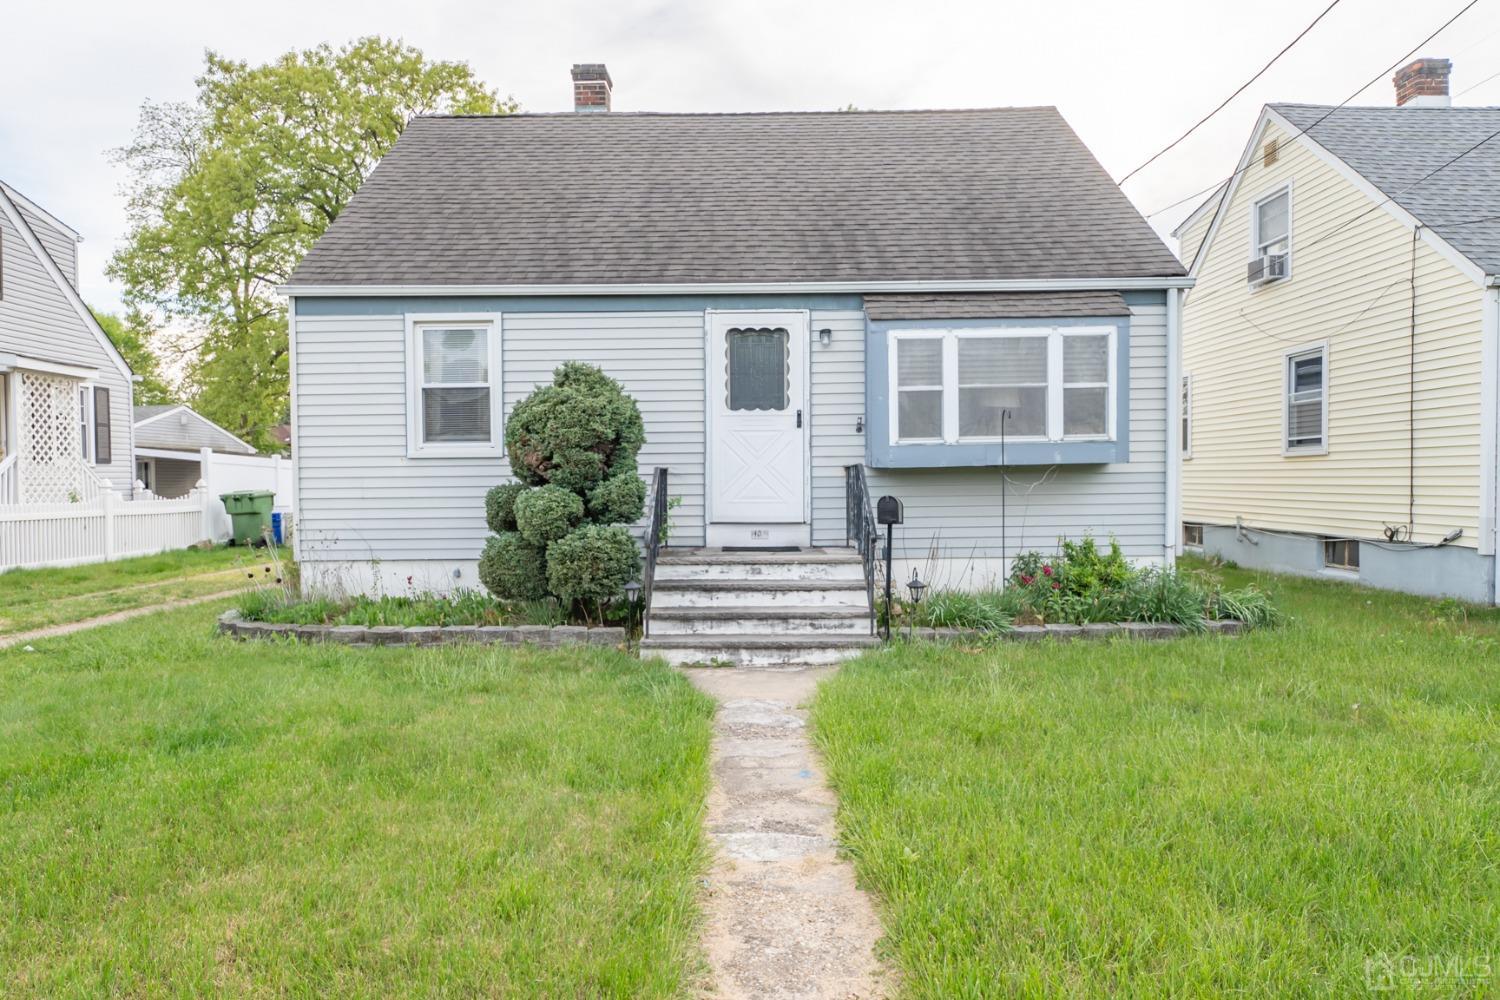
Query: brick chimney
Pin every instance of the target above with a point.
(592, 86)
(1423, 84)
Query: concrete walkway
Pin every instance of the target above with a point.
(785, 918)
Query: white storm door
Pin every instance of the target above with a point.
(757, 387)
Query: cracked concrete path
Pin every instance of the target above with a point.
(785, 918)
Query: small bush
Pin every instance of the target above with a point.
(619, 499)
(500, 507)
(593, 564)
(547, 513)
(512, 569)
(957, 609)
(574, 431)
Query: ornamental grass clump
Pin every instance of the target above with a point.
(561, 529)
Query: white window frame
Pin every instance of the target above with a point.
(87, 443)
(1287, 357)
(148, 465)
(1255, 240)
(490, 324)
(1054, 336)
(1187, 417)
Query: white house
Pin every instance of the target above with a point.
(958, 308)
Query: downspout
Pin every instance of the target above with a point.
(1172, 537)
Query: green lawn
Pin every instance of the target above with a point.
(36, 598)
(1258, 816)
(186, 815)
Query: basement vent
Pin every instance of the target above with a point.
(1270, 152)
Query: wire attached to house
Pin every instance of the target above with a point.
(1411, 397)
(1240, 90)
(1301, 132)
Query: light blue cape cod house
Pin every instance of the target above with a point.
(961, 302)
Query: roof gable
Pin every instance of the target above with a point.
(178, 426)
(636, 199)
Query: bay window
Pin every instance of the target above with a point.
(979, 384)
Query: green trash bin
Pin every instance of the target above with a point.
(250, 514)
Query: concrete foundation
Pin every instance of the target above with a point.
(1448, 571)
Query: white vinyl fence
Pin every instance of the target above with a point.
(102, 528)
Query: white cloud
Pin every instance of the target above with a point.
(1128, 76)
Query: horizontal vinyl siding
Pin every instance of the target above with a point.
(1352, 290)
(38, 321)
(186, 429)
(62, 247)
(956, 513)
(361, 498)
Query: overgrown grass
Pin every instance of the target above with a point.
(36, 598)
(465, 607)
(1260, 816)
(186, 816)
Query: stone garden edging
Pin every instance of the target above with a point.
(1095, 630)
(232, 624)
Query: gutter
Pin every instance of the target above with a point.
(746, 288)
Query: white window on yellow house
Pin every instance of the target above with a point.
(1271, 238)
(1306, 406)
(1186, 441)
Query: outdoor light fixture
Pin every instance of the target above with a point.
(825, 336)
(916, 586)
(632, 591)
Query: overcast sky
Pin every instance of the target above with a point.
(1128, 76)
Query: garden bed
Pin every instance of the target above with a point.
(1065, 631)
(232, 623)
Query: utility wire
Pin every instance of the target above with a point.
(1242, 88)
(1392, 197)
(1300, 132)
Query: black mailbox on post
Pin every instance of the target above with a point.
(888, 510)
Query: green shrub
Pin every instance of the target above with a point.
(576, 432)
(957, 609)
(593, 564)
(512, 569)
(620, 498)
(573, 447)
(500, 507)
(547, 513)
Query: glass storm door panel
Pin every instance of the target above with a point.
(758, 456)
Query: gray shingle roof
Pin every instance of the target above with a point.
(1394, 148)
(997, 305)
(617, 198)
(148, 410)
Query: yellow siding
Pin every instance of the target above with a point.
(1191, 238)
(1351, 290)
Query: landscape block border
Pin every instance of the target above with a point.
(232, 623)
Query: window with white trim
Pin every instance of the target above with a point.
(1187, 417)
(1306, 408)
(981, 384)
(454, 401)
(1271, 225)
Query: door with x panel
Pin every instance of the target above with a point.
(758, 452)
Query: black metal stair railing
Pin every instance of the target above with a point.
(656, 531)
(860, 529)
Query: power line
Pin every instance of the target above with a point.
(1242, 88)
(1481, 83)
(1300, 132)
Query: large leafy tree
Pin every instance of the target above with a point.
(132, 336)
(230, 190)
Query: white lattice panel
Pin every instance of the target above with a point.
(50, 457)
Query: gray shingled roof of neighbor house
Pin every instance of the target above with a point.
(1396, 148)
(617, 198)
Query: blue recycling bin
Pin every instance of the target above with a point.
(276, 526)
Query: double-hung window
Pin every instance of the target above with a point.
(1271, 228)
(454, 404)
(983, 384)
(1306, 405)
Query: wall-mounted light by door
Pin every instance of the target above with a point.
(825, 336)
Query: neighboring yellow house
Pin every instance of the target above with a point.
(1339, 346)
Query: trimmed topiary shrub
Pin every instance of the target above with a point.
(572, 448)
(547, 513)
(593, 564)
(513, 569)
(619, 498)
(500, 507)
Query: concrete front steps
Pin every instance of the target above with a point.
(758, 609)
